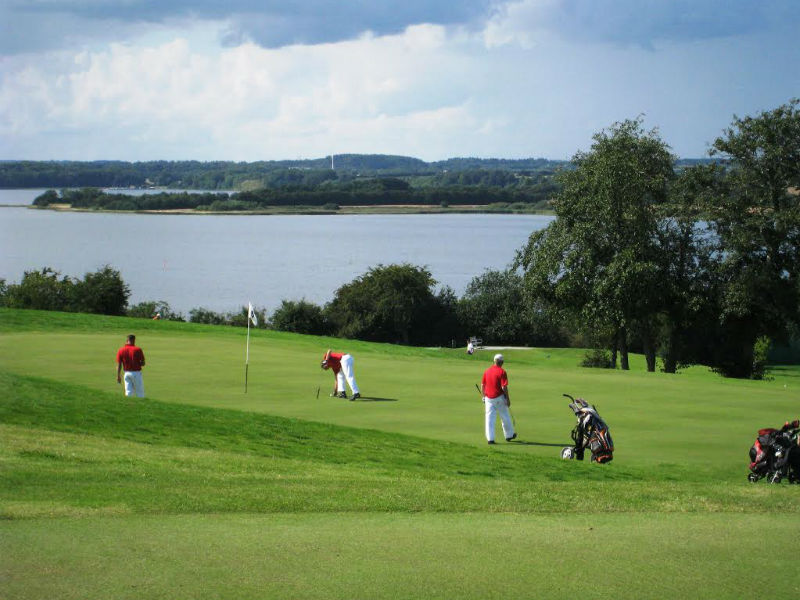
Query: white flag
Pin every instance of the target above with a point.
(251, 314)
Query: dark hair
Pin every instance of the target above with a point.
(131, 338)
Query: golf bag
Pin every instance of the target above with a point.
(591, 432)
(775, 455)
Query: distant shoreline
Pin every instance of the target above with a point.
(387, 209)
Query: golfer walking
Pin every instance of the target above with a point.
(130, 359)
(494, 389)
(342, 367)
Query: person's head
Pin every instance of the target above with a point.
(131, 339)
(498, 360)
(324, 365)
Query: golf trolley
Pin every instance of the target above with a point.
(775, 455)
(591, 432)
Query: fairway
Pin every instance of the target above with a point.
(203, 490)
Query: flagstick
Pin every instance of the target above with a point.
(247, 353)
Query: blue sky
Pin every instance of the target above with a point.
(270, 79)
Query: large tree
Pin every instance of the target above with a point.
(757, 226)
(598, 261)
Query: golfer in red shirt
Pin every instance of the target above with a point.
(342, 367)
(130, 358)
(494, 389)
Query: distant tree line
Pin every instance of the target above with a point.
(361, 192)
(397, 303)
(226, 175)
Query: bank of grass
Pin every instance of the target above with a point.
(204, 491)
(72, 451)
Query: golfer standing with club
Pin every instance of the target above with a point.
(342, 367)
(494, 389)
(130, 359)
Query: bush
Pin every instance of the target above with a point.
(300, 317)
(392, 303)
(46, 199)
(149, 310)
(597, 358)
(102, 292)
(760, 355)
(205, 316)
(40, 290)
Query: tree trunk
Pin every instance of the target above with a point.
(671, 353)
(622, 342)
(649, 352)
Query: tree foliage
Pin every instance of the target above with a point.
(493, 307)
(756, 221)
(101, 292)
(394, 303)
(149, 309)
(300, 316)
(598, 261)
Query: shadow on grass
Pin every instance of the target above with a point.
(521, 443)
(373, 399)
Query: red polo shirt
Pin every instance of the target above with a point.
(131, 357)
(494, 380)
(335, 362)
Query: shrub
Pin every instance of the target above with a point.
(760, 355)
(597, 358)
(300, 317)
(206, 316)
(149, 310)
(46, 199)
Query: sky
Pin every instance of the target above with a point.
(249, 80)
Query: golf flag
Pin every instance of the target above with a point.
(251, 314)
(251, 318)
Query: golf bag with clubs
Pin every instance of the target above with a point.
(775, 455)
(591, 432)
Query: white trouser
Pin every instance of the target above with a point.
(494, 407)
(134, 384)
(346, 372)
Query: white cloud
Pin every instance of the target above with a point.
(521, 87)
(370, 93)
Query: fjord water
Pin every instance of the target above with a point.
(221, 262)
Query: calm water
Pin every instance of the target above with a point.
(221, 262)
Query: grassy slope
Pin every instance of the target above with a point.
(128, 469)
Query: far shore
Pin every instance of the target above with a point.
(393, 209)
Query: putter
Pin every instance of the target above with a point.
(318, 392)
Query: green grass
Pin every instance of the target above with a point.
(201, 490)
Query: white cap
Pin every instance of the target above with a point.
(498, 357)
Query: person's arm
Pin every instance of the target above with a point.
(505, 393)
(119, 370)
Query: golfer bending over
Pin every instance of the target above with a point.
(494, 388)
(342, 367)
(130, 358)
